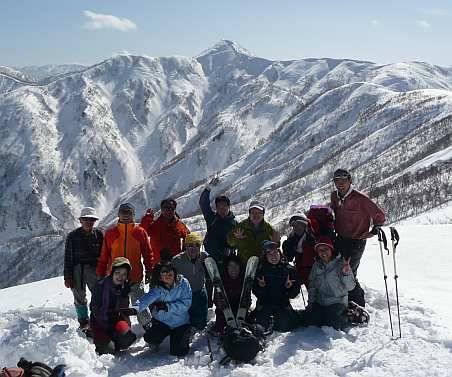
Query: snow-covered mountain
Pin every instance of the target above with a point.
(139, 128)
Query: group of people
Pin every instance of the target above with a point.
(163, 253)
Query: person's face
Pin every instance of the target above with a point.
(222, 209)
(273, 256)
(342, 184)
(233, 270)
(126, 216)
(168, 211)
(87, 223)
(298, 227)
(120, 275)
(167, 277)
(256, 216)
(325, 253)
(192, 250)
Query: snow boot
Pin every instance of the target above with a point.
(84, 327)
(357, 314)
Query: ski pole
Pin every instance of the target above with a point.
(302, 296)
(395, 241)
(382, 241)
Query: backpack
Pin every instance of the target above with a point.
(321, 218)
(12, 372)
(242, 344)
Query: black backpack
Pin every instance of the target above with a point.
(242, 344)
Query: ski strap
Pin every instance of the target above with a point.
(382, 238)
(394, 236)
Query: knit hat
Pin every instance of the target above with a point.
(193, 238)
(256, 204)
(324, 240)
(126, 207)
(121, 262)
(298, 218)
(341, 173)
(88, 213)
(268, 245)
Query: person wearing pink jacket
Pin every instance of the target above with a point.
(357, 218)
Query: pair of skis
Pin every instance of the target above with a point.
(250, 272)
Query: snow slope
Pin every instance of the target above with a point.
(38, 322)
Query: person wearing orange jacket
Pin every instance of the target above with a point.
(167, 233)
(128, 240)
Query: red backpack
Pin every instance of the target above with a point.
(322, 220)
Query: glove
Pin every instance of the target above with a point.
(69, 283)
(375, 229)
(128, 311)
(148, 277)
(159, 305)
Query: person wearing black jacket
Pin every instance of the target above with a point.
(81, 252)
(275, 284)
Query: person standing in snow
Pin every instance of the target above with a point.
(249, 234)
(300, 245)
(169, 300)
(219, 224)
(128, 240)
(276, 282)
(357, 218)
(82, 249)
(110, 311)
(190, 264)
(330, 280)
(167, 233)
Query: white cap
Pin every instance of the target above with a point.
(89, 212)
(255, 204)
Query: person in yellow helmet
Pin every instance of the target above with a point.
(190, 264)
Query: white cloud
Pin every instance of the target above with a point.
(375, 23)
(423, 24)
(107, 21)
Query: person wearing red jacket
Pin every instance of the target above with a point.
(128, 240)
(167, 233)
(357, 218)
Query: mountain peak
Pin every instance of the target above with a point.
(225, 46)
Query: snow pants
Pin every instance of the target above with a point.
(353, 249)
(198, 309)
(179, 337)
(329, 315)
(84, 275)
(284, 318)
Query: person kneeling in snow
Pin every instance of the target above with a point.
(232, 278)
(169, 300)
(329, 282)
(110, 323)
(275, 284)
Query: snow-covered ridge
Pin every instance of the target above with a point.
(141, 128)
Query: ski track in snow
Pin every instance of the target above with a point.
(38, 322)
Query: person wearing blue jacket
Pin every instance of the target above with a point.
(169, 300)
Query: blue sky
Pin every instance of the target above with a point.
(37, 32)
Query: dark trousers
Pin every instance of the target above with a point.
(329, 315)
(284, 318)
(198, 309)
(179, 337)
(353, 249)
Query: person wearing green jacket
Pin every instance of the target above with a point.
(248, 235)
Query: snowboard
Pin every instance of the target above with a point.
(212, 270)
(250, 273)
